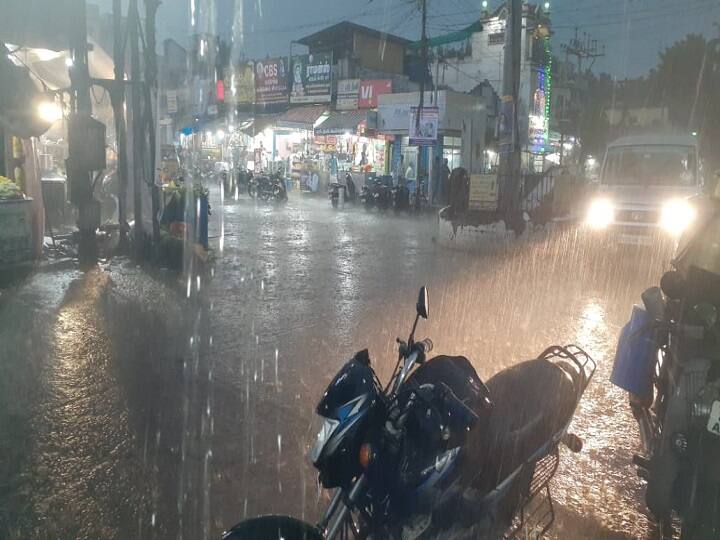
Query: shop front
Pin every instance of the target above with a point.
(351, 138)
(451, 126)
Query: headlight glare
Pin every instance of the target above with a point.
(676, 216)
(600, 214)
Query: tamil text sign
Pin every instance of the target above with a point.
(311, 78)
(271, 81)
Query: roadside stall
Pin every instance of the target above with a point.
(21, 202)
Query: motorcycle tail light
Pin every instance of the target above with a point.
(366, 455)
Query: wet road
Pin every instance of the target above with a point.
(136, 406)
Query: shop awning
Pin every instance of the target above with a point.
(340, 122)
(301, 117)
(263, 121)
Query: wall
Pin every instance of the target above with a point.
(372, 53)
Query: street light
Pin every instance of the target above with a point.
(547, 6)
(484, 4)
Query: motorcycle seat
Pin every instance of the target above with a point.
(532, 401)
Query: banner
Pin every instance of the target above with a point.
(311, 78)
(347, 94)
(424, 133)
(370, 90)
(271, 81)
(483, 193)
(240, 85)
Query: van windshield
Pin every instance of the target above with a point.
(650, 165)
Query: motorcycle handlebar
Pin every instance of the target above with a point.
(426, 345)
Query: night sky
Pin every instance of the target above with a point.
(633, 31)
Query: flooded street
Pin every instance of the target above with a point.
(133, 405)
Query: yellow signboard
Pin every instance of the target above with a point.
(483, 192)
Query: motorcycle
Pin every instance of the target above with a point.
(346, 193)
(266, 188)
(376, 195)
(436, 449)
(243, 179)
(668, 360)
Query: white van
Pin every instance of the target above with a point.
(644, 186)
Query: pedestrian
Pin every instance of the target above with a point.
(444, 182)
(399, 170)
(436, 196)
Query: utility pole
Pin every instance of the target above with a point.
(509, 174)
(137, 124)
(424, 60)
(584, 48)
(151, 7)
(117, 96)
(79, 165)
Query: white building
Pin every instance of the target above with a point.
(465, 59)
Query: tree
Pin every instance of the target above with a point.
(676, 77)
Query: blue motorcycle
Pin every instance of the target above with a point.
(436, 452)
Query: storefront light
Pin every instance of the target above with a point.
(69, 62)
(208, 134)
(49, 111)
(220, 134)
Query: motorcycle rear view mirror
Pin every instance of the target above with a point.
(423, 303)
(673, 284)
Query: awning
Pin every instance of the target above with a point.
(19, 99)
(301, 117)
(340, 122)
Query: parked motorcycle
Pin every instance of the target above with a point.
(342, 193)
(668, 359)
(242, 181)
(436, 450)
(266, 188)
(376, 195)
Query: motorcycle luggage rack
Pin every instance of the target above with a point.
(579, 359)
(537, 513)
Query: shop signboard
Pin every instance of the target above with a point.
(311, 76)
(370, 90)
(483, 192)
(347, 94)
(424, 132)
(271, 81)
(242, 84)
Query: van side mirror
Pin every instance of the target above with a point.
(423, 303)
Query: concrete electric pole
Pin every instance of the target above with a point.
(509, 181)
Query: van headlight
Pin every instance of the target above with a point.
(600, 214)
(676, 216)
